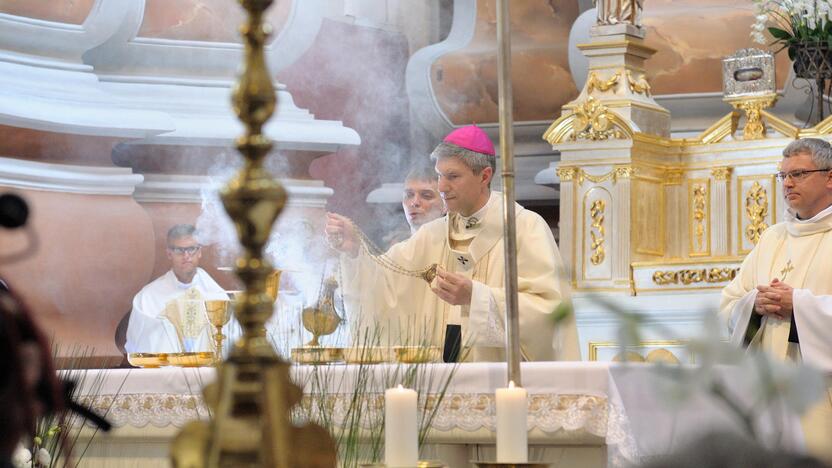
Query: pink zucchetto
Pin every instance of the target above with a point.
(471, 138)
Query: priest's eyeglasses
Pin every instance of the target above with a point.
(185, 250)
(797, 175)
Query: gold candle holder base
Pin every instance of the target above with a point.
(317, 355)
(493, 464)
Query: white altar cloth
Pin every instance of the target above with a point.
(570, 403)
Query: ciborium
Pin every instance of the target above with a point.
(218, 314)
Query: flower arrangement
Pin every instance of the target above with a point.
(793, 22)
(58, 440)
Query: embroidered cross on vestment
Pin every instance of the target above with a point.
(786, 270)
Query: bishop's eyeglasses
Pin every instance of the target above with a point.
(185, 250)
(797, 175)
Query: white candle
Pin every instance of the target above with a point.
(401, 441)
(512, 438)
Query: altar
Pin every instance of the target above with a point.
(588, 414)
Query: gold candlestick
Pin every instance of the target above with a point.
(253, 395)
(218, 315)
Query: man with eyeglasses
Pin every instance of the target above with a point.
(781, 300)
(168, 314)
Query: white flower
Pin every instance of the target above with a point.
(43, 458)
(758, 38)
(22, 457)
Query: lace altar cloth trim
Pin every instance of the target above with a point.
(468, 412)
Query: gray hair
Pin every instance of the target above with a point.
(476, 161)
(179, 231)
(820, 150)
(422, 173)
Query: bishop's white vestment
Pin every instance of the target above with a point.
(472, 246)
(798, 253)
(168, 316)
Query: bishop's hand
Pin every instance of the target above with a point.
(452, 288)
(340, 234)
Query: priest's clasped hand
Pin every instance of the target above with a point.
(774, 299)
(340, 234)
(452, 288)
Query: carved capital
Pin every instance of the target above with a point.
(673, 176)
(624, 172)
(567, 173)
(721, 173)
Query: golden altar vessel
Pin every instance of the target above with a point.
(253, 395)
(320, 320)
(218, 315)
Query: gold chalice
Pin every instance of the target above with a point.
(273, 284)
(218, 314)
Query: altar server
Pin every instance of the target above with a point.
(467, 244)
(781, 300)
(168, 314)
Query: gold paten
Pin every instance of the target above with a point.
(317, 355)
(192, 359)
(253, 395)
(147, 360)
(367, 355)
(417, 354)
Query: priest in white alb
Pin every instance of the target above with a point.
(168, 314)
(781, 300)
(467, 244)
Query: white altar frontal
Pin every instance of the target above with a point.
(580, 414)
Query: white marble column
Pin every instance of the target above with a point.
(621, 225)
(720, 212)
(675, 228)
(568, 219)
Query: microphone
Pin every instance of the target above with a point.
(14, 212)
(81, 410)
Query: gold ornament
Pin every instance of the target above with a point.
(596, 212)
(594, 83)
(594, 121)
(640, 85)
(756, 207)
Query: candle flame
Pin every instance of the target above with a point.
(510, 384)
(400, 387)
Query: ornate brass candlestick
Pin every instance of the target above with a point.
(253, 395)
(218, 315)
